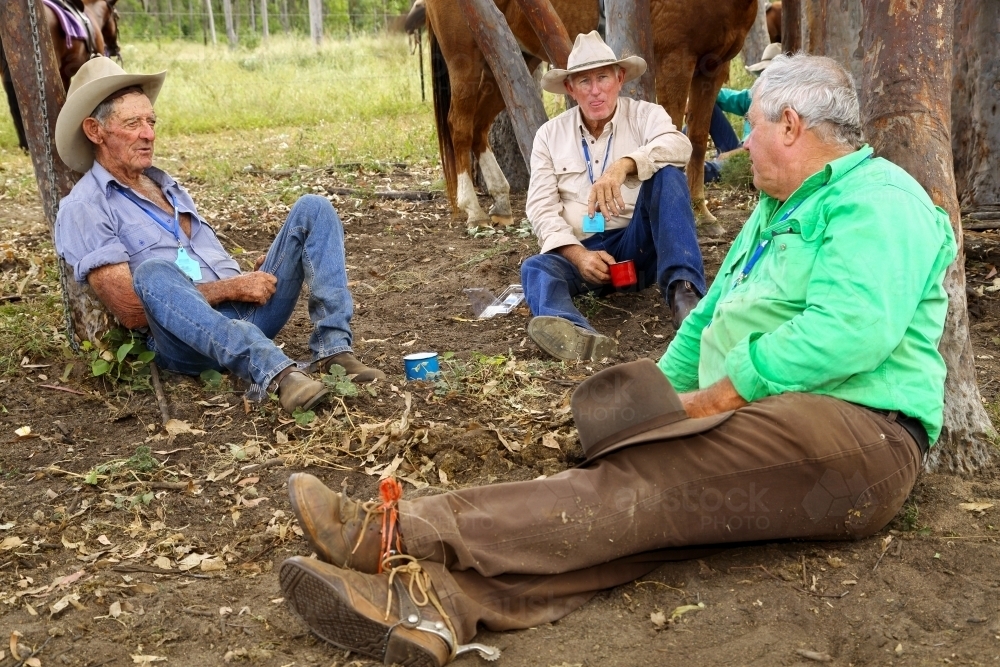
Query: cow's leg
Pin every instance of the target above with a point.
(490, 104)
(704, 89)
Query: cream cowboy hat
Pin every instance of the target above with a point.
(589, 52)
(770, 51)
(96, 80)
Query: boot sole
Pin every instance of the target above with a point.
(564, 340)
(326, 606)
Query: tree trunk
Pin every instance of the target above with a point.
(265, 28)
(227, 9)
(630, 33)
(503, 55)
(757, 39)
(253, 17)
(833, 28)
(35, 74)
(211, 21)
(906, 112)
(975, 108)
(316, 21)
(791, 26)
(549, 28)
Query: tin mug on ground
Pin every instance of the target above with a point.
(421, 365)
(622, 274)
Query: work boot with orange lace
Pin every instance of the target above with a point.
(396, 617)
(345, 532)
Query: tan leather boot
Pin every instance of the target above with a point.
(298, 390)
(341, 531)
(348, 609)
(356, 370)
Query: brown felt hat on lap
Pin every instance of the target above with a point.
(99, 78)
(590, 52)
(629, 404)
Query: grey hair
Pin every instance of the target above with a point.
(102, 112)
(818, 89)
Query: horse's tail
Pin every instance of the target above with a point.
(441, 85)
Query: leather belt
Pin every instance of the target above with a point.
(912, 425)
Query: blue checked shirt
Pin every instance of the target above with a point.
(97, 225)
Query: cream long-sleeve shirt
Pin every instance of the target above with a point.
(560, 182)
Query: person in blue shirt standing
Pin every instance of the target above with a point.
(736, 102)
(133, 234)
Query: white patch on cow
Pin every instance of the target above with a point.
(496, 183)
(467, 200)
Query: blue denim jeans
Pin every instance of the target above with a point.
(190, 336)
(725, 140)
(660, 239)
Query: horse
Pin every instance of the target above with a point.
(692, 43)
(773, 17)
(71, 51)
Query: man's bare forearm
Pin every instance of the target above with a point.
(720, 397)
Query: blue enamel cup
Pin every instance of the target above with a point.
(421, 365)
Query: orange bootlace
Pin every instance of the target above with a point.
(391, 491)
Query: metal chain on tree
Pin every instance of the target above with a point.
(50, 172)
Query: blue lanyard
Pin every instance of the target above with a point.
(586, 155)
(157, 214)
(760, 250)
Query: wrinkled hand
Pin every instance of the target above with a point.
(256, 287)
(592, 264)
(260, 262)
(606, 193)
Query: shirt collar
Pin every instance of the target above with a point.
(609, 127)
(104, 177)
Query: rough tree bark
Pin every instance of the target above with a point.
(630, 33)
(975, 108)
(791, 26)
(757, 39)
(833, 28)
(35, 73)
(906, 110)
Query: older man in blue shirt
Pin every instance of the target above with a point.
(134, 234)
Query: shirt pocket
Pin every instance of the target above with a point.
(572, 179)
(791, 267)
(139, 238)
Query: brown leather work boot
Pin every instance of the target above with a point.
(348, 609)
(298, 390)
(336, 526)
(355, 370)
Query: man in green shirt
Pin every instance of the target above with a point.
(811, 387)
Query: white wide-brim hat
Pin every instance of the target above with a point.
(590, 52)
(770, 51)
(96, 80)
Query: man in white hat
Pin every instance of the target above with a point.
(606, 186)
(736, 102)
(134, 234)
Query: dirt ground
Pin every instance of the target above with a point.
(111, 554)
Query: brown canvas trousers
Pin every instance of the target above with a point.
(794, 466)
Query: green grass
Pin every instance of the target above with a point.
(283, 104)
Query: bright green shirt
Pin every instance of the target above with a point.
(736, 102)
(846, 299)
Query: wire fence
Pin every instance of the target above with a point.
(195, 24)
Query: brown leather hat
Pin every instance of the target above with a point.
(628, 404)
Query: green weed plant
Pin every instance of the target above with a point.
(124, 359)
